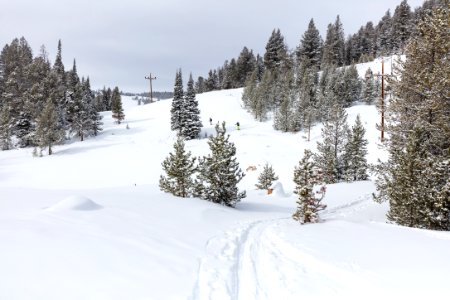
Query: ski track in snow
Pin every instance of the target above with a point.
(254, 262)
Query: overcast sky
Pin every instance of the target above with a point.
(120, 42)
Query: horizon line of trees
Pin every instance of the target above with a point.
(388, 37)
(42, 105)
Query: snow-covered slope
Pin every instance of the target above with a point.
(89, 222)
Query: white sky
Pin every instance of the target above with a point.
(120, 42)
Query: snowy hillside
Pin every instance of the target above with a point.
(90, 222)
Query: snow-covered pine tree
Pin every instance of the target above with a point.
(309, 51)
(48, 131)
(266, 178)
(415, 178)
(369, 92)
(245, 65)
(190, 113)
(355, 153)
(116, 106)
(306, 176)
(179, 168)
(330, 151)
(5, 129)
(94, 117)
(306, 111)
(249, 93)
(384, 35)
(276, 52)
(219, 172)
(401, 26)
(352, 86)
(284, 113)
(333, 47)
(260, 103)
(177, 103)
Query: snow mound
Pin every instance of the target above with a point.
(279, 190)
(75, 203)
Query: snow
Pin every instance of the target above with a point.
(90, 222)
(75, 202)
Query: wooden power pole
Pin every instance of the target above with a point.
(382, 97)
(150, 78)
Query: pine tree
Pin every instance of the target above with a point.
(94, 117)
(200, 85)
(306, 176)
(48, 132)
(177, 103)
(369, 92)
(179, 168)
(284, 113)
(355, 153)
(384, 42)
(116, 106)
(276, 52)
(351, 85)
(191, 113)
(5, 129)
(261, 100)
(245, 65)
(333, 47)
(309, 51)
(249, 93)
(330, 151)
(266, 178)
(401, 26)
(415, 178)
(219, 172)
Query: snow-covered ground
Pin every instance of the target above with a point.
(90, 222)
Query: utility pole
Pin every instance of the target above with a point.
(382, 97)
(150, 78)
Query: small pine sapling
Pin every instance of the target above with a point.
(266, 178)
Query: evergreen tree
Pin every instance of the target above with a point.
(116, 106)
(191, 114)
(179, 168)
(330, 157)
(266, 178)
(415, 178)
(48, 132)
(333, 48)
(88, 100)
(276, 52)
(369, 92)
(200, 85)
(177, 103)
(352, 86)
(250, 89)
(5, 129)
(306, 176)
(219, 172)
(401, 26)
(245, 65)
(309, 51)
(384, 42)
(258, 99)
(355, 153)
(284, 113)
